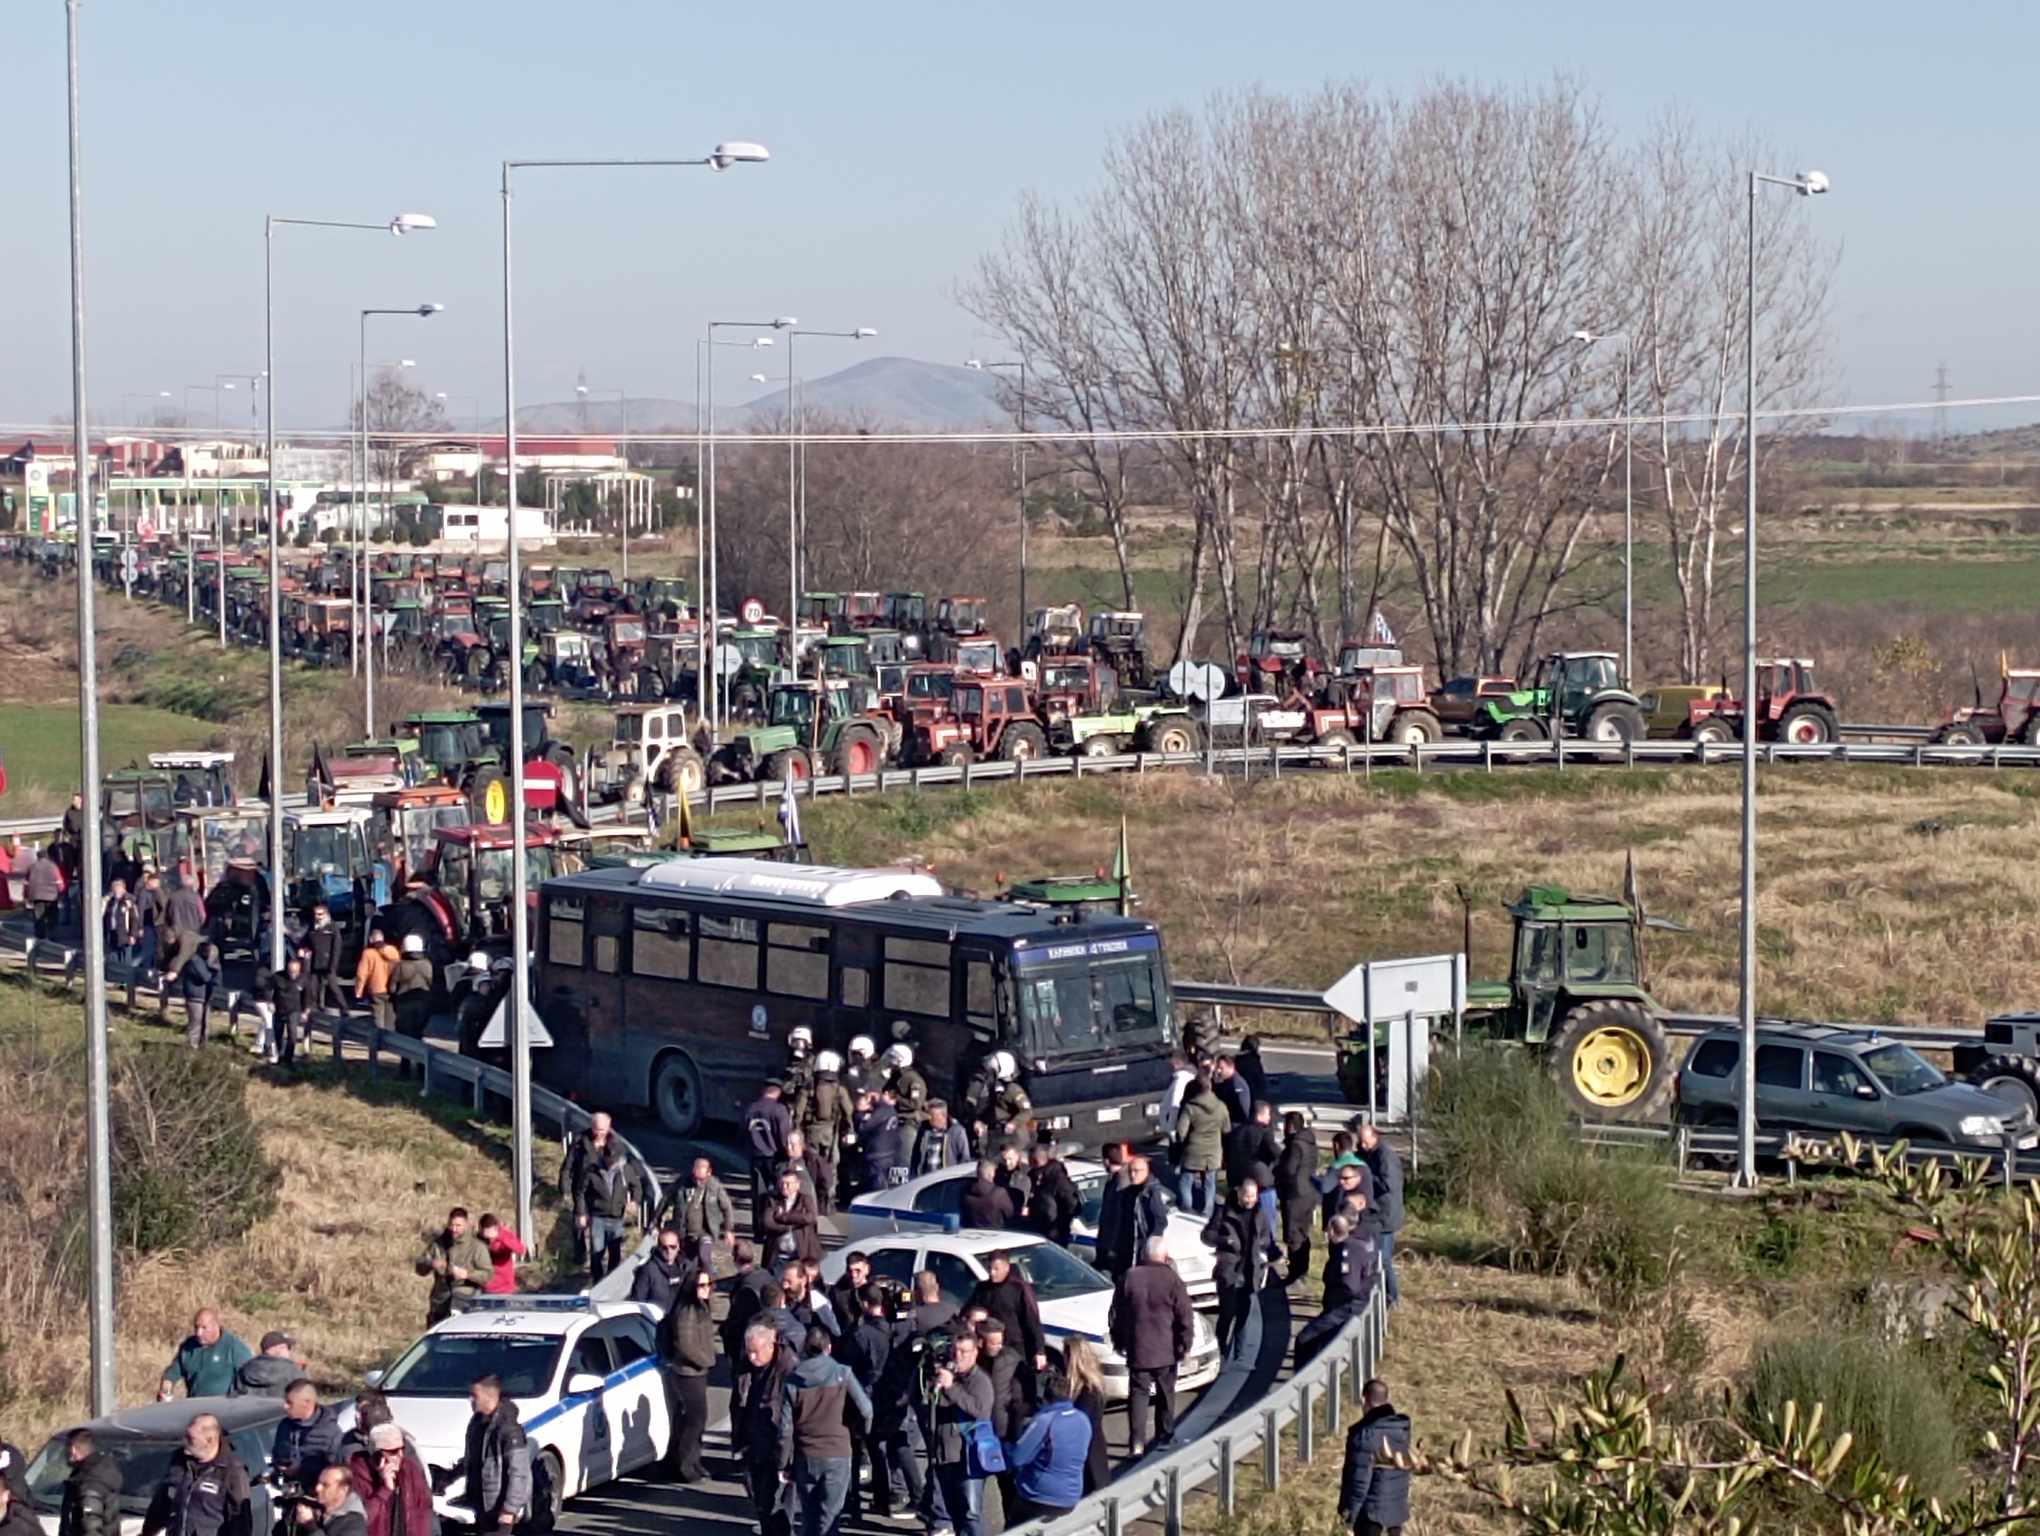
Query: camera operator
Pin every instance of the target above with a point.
(332, 1507)
(962, 1394)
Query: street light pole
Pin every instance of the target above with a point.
(98, 1118)
(1810, 184)
(794, 498)
(722, 158)
(1019, 467)
(1587, 339)
(402, 224)
(360, 584)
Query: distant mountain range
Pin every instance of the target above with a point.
(895, 392)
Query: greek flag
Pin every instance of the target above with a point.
(1382, 634)
(789, 812)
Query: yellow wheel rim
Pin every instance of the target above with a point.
(1611, 1066)
(496, 802)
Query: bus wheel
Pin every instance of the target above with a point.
(676, 1094)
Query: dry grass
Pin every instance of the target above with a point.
(367, 1173)
(1870, 880)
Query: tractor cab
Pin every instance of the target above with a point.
(1054, 631)
(197, 778)
(663, 598)
(1354, 657)
(470, 876)
(325, 855)
(543, 615)
(843, 656)
(139, 802)
(978, 658)
(215, 838)
(820, 610)
(1120, 637)
(402, 620)
(1074, 685)
(887, 648)
(409, 820)
(961, 616)
(863, 610)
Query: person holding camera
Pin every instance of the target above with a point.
(333, 1507)
(961, 1397)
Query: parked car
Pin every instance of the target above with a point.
(1457, 700)
(1819, 1078)
(1075, 1300)
(583, 1373)
(931, 1200)
(144, 1438)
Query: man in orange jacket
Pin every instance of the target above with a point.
(372, 978)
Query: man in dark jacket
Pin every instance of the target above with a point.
(602, 1205)
(1385, 1165)
(1374, 1494)
(459, 1264)
(1146, 1212)
(1252, 1142)
(963, 1395)
(91, 1490)
(846, 1297)
(1052, 1201)
(43, 891)
(1233, 1090)
(687, 1349)
(585, 1148)
(768, 1124)
(290, 996)
(200, 980)
(868, 1350)
(497, 1459)
(1250, 1067)
(984, 1204)
(1114, 1250)
(746, 1297)
(1007, 1296)
(326, 943)
(819, 1404)
(880, 1140)
(307, 1436)
(205, 1490)
(271, 1371)
(791, 1226)
(1295, 1193)
(1153, 1326)
(1243, 1243)
(755, 1433)
(1351, 1265)
(939, 1144)
(699, 1209)
(658, 1280)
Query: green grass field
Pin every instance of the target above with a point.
(39, 744)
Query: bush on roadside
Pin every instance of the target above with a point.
(1483, 1111)
(1893, 1400)
(188, 1167)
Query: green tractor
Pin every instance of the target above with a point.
(849, 738)
(453, 745)
(1577, 695)
(1576, 995)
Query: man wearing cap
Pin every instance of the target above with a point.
(395, 1489)
(269, 1372)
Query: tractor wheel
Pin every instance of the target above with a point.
(1713, 731)
(488, 795)
(1807, 725)
(791, 765)
(1615, 721)
(1414, 727)
(681, 771)
(955, 755)
(857, 753)
(1959, 733)
(1612, 1061)
(475, 663)
(1024, 742)
(534, 676)
(1098, 746)
(1522, 728)
(1173, 738)
(2014, 1079)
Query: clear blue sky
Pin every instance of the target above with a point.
(900, 135)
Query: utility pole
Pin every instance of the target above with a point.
(1941, 390)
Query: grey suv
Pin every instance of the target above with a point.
(1817, 1078)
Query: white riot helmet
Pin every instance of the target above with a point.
(800, 1038)
(899, 1057)
(828, 1061)
(862, 1048)
(1004, 1067)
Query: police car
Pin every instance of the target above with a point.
(936, 1198)
(584, 1375)
(1075, 1300)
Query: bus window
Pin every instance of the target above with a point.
(565, 932)
(917, 976)
(856, 987)
(729, 951)
(659, 946)
(797, 960)
(978, 994)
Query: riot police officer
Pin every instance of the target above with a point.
(829, 1122)
(799, 1076)
(996, 1107)
(863, 1071)
(910, 1089)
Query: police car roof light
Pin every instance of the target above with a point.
(524, 1303)
(952, 1223)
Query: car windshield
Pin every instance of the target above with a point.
(446, 1364)
(1900, 1069)
(1056, 1274)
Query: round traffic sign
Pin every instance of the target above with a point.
(729, 660)
(130, 565)
(751, 611)
(1197, 680)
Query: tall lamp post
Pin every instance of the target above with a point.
(713, 607)
(364, 589)
(1587, 339)
(1808, 184)
(1019, 467)
(98, 1118)
(721, 158)
(796, 494)
(402, 224)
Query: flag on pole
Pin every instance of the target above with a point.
(1122, 866)
(1632, 893)
(1382, 634)
(789, 812)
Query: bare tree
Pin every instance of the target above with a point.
(395, 408)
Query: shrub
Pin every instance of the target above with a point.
(1891, 1399)
(188, 1168)
(1483, 1111)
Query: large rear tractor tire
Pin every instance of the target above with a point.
(1612, 1061)
(1173, 737)
(1522, 728)
(1959, 733)
(1100, 745)
(2014, 1079)
(1415, 727)
(1024, 743)
(1714, 731)
(682, 772)
(1808, 725)
(792, 764)
(858, 753)
(489, 797)
(955, 755)
(1616, 721)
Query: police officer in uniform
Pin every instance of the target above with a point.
(996, 1107)
(863, 1071)
(829, 1124)
(910, 1089)
(799, 1076)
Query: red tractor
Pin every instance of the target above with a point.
(1790, 709)
(1375, 704)
(468, 877)
(2014, 720)
(1279, 662)
(987, 718)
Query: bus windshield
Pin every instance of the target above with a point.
(1104, 1004)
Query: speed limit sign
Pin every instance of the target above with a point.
(751, 611)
